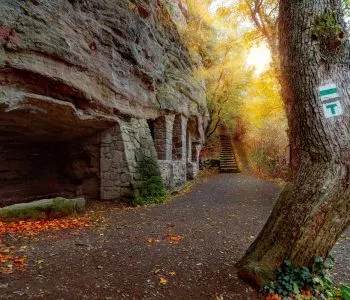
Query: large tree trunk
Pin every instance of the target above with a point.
(313, 211)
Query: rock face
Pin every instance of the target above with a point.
(88, 89)
(42, 209)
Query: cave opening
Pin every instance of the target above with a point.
(33, 170)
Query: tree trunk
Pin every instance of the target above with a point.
(313, 211)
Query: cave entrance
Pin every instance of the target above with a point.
(36, 170)
(48, 149)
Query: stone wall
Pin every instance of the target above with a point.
(124, 149)
(115, 176)
(104, 166)
(178, 151)
(139, 148)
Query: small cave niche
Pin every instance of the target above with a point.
(37, 170)
(158, 130)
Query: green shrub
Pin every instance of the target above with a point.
(150, 188)
(291, 282)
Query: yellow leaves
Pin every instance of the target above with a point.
(152, 241)
(162, 276)
(263, 104)
(219, 297)
(171, 238)
(132, 6)
(163, 281)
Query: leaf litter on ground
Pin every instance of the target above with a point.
(9, 262)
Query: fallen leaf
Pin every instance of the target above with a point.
(173, 238)
(163, 281)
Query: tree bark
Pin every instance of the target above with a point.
(313, 211)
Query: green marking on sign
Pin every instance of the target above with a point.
(332, 108)
(328, 92)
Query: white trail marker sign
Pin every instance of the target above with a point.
(330, 108)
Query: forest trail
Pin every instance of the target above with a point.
(184, 249)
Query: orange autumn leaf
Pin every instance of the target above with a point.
(8, 262)
(173, 239)
(34, 227)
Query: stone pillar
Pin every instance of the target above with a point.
(179, 138)
(124, 150)
(139, 147)
(115, 180)
(189, 147)
(196, 149)
(163, 137)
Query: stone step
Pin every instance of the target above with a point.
(228, 163)
(229, 171)
(229, 167)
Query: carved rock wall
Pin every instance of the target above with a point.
(80, 83)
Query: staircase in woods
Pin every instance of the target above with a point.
(228, 163)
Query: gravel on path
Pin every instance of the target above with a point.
(184, 249)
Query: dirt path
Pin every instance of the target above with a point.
(192, 242)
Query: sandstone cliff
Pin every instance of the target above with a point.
(72, 65)
(70, 69)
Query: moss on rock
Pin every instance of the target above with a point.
(42, 209)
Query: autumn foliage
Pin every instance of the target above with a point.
(34, 227)
(8, 260)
